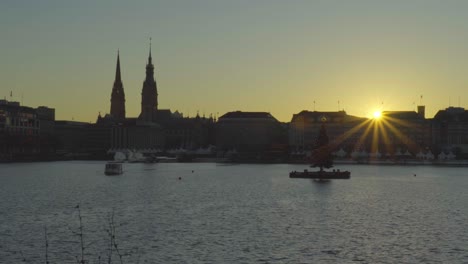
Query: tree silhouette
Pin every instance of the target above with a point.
(321, 154)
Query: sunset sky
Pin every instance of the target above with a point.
(252, 55)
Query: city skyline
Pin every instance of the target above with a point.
(215, 57)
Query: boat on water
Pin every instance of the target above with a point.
(321, 158)
(322, 175)
(113, 168)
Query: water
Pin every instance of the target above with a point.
(233, 214)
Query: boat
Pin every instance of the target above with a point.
(322, 175)
(113, 168)
(135, 157)
(321, 158)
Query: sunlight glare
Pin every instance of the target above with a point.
(377, 114)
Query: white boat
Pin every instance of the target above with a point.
(113, 168)
(119, 156)
(134, 157)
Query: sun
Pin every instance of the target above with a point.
(377, 115)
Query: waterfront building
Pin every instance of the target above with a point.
(392, 133)
(253, 135)
(344, 131)
(47, 139)
(19, 130)
(70, 137)
(116, 131)
(403, 131)
(156, 128)
(187, 133)
(46, 118)
(131, 134)
(82, 140)
(450, 131)
(24, 130)
(97, 141)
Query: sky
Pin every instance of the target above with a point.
(216, 56)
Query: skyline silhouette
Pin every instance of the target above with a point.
(215, 58)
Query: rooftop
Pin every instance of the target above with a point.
(240, 114)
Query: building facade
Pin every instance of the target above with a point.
(450, 131)
(253, 135)
(19, 130)
(344, 131)
(404, 131)
(393, 132)
(25, 132)
(134, 135)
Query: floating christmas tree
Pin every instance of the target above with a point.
(321, 154)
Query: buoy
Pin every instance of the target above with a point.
(180, 178)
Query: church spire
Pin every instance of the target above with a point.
(117, 70)
(149, 58)
(149, 93)
(118, 95)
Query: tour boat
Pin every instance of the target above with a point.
(113, 168)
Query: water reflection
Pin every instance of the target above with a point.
(234, 214)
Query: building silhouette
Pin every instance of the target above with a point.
(403, 131)
(33, 133)
(149, 94)
(253, 136)
(25, 132)
(304, 128)
(134, 133)
(395, 132)
(154, 129)
(117, 109)
(450, 131)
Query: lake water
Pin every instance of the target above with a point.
(233, 214)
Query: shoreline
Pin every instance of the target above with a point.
(449, 163)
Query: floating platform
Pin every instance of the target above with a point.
(323, 175)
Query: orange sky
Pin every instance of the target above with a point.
(220, 56)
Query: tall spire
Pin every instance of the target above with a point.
(149, 58)
(117, 70)
(118, 95)
(149, 93)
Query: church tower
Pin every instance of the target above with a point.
(149, 93)
(118, 96)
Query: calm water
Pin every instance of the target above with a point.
(234, 214)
